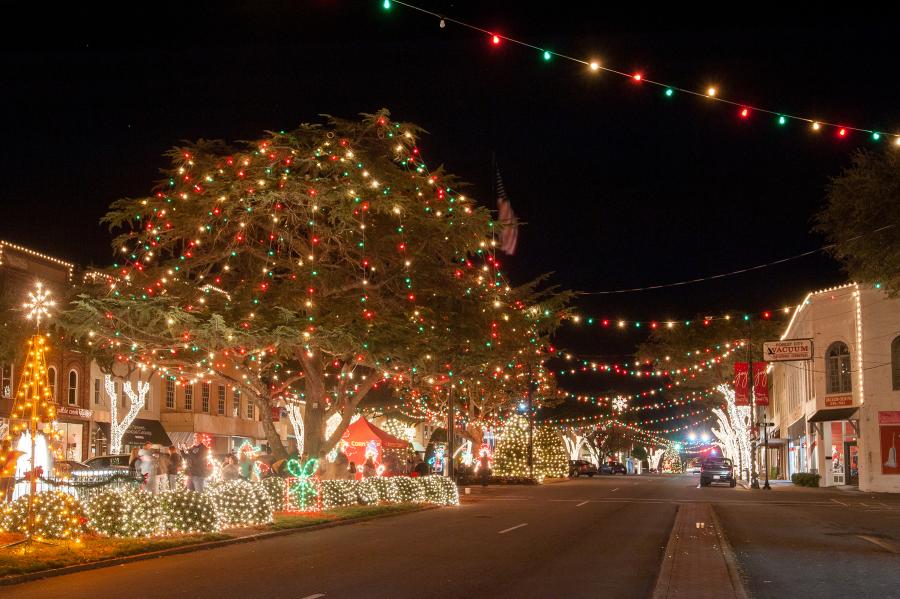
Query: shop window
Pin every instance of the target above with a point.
(236, 403)
(204, 397)
(6, 382)
(189, 398)
(895, 363)
(97, 392)
(170, 394)
(837, 368)
(72, 389)
(51, 379)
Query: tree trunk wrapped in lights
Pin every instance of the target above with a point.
(314, 265)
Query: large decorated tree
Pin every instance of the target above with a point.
(313, 265)
(511, 452)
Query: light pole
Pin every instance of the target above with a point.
(754, 475)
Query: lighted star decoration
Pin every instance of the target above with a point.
(619, 404)
(38, 305)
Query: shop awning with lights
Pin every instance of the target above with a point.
(141, 431)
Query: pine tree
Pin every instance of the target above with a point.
(550, 456)
(671, 460)
(511, 454)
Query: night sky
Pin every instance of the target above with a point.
(618, 186)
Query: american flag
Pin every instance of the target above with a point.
(509, 227)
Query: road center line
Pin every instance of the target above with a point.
(616, 489)
(881, 543)
(316, 596)
(582, 503)
(506, 530)
(840, 502)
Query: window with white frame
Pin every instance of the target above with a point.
(204, 397)
(837, 368)
(220, 400)
(97, 396)
(170, 394)
(72, 388)
(250, 408)
(236, 403)
(189, 397)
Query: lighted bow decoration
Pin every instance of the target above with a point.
(306, 485)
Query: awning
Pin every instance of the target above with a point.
(777, 441)
(798, 429)
(141, 431)
(833, 414)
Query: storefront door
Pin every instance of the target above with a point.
(851, 462)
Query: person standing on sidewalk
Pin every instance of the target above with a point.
(147, 467)
(169, 464)
(198, 467)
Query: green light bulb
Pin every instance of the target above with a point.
(670, 92)
(782, 120)
(386, 4)
(876, 135)
(547, 55)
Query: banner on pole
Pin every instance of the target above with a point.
(741, 384)
(760, 384)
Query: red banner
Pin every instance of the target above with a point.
(741, 387)
(760, 384)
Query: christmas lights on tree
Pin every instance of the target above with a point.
(550, 457)
(511, 452)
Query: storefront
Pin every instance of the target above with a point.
(797, 458)
(838, 431)
(74, 426)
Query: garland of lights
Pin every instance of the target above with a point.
(633, 368)
(712, 93)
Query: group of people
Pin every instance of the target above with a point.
(161, 470)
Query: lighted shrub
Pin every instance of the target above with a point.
(188, 512)
(125, 514)
(57, 515)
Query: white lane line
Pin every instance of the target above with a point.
(506, 530)
(502, 499)
(881, 543)
(316, 596)
(582, 503)
(616, 489)
(863, 504)
(882, 504)
(840, 503)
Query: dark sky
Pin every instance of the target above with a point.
(619, 186)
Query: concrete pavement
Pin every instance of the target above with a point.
(600, 537)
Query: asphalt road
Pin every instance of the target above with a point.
(600, 537)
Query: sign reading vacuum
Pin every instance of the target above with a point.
(789, 349)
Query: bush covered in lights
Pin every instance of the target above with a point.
(338, 493)
(366, 491)
(125, 514)
(407, 490)
(385, 488)
(274, 487)
(240, 503)
(439, 490)
(188, 512)
(57, 515)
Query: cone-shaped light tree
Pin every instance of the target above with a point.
(511, 453)
(312, 265)
(550, 456)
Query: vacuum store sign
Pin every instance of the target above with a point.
(787, 350)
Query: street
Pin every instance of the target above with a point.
(599, 537)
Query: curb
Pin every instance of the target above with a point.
(661, 586)
(138, 557)
(737, 582)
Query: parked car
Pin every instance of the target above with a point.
(65, 467)
(118, 462)
(717, 470)
(617, 468)
(605, 468)
(579, 467)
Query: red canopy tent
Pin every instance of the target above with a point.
(362, 438)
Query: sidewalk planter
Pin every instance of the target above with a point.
(805, 479)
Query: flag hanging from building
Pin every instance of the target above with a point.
(760, 383)
(509, 227)
(741, 384)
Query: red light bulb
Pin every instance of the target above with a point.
(745, 113)
(842, 132)
(495, 40)
(637, 76)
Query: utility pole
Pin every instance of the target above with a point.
(530, 425)
(450, 432)
(754, 475)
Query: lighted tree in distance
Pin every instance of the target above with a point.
(313, 264)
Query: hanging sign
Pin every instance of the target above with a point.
(760, 383)
(741, 386)
(788, 350)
